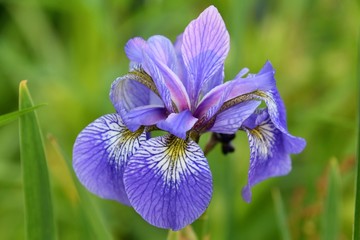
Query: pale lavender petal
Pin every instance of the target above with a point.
(205, 46)
(134, 48)
(230, 120)
(242, 73)
(101, 152)
(168, 182)
(162, 74)
(216, 80)
(270, 151)
(163, 51)
(146, 115)
(178, 123)
(181, 71)
(156, 75)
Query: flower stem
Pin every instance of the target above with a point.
(173, 235)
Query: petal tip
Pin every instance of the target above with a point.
(246, 193)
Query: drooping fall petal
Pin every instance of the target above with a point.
(168, 182)
(101, 152)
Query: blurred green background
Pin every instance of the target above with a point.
(71, 51)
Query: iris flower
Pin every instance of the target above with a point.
(178, 88)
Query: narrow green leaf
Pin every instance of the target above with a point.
(38, 206)
(281, 214)
(9, 117)
(93, 221)
(331, 216)
(356, 228)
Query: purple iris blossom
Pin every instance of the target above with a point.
(178, 88)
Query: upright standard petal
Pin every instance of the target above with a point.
(134, 48)
(165, 77)
(270, 151)
(164, 51)
(205, 45)
(101, 152)
(168, 182)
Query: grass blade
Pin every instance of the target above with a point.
(356, 228)
(93, 220)
(331, 216)
(9, 117)
(39, 218)
(281, 214)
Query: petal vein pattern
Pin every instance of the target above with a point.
(168, 182)
(100, 154)
(270, 150)
(205, 45)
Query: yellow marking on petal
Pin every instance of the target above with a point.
(142, 77)
(127, 135)
(263, 138)
(200, 126)
(176, 149)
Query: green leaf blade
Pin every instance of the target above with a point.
(281, 215)
(356, 226)
(9, 117)
(331, 216)
(39, 218)
(92, 218)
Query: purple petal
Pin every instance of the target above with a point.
(127, 93)
(230, 90)
(146, 115)
(273, 100)
(216, 80)
(270, 151)
(163, 75)
(204, 48)
(276, 108)
(101, 152)
(260, 82)
(181, 71)
(242, 73)
(163, 51)
(152, 69)
(230, 120)
(133, 50)
(168, 182)
(178, 123)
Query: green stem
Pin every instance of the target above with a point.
(172, 235)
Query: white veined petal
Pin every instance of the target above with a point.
(101, 152)
(168, 182)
